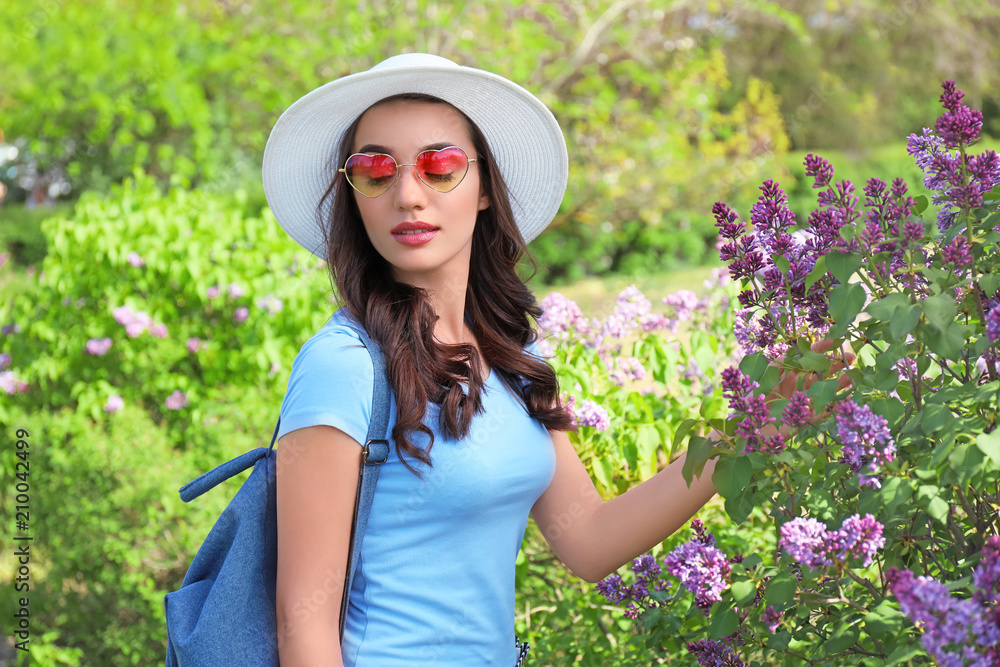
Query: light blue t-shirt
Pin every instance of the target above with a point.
(435, 579)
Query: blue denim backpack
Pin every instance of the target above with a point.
(224, 612)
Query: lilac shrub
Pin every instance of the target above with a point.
(874, 455)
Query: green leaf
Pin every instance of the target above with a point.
(989, 444)
(934, 417)
(843, 638)
(921, 204)
(698, 451)
(901, 655)
(781, 263)
(846, 301)
(904, 319)
(935, 505)
(754, 365)
(780, 589)
(990, 282)
(822, 393)
(884, 619)
(682, 431)
(817, 273)
(732, 476)
(744, 592)
(947, 342)
(940, 310)
(884, 308)
(843, 265)
(724, 623)
(814, 361)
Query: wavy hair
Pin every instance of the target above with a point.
(399, 317)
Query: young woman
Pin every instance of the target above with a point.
(420, 182)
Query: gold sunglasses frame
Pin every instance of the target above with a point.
(399, 167)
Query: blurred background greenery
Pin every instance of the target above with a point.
(666, 106)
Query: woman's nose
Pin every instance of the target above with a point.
(410, 192)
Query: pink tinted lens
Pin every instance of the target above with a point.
(443, 170)
(371, 174)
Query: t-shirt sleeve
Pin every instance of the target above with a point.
(330, 384)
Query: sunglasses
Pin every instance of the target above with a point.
(372, 174)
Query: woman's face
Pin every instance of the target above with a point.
(403, 129)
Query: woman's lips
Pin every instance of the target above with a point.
(414, 233)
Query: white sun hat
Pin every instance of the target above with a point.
(523, 135)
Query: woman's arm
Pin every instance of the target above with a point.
(593, 537)
(317, 480)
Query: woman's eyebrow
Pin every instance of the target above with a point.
(378, 148)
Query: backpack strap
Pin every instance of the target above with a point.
(374, 453)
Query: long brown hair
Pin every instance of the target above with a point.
(399, 317)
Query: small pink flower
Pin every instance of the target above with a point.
(235, 290)
(10, 384)
(135, 260)
(114, 404)
(159, 330)
(193, 344)
(176, 400)
(241, 314)
(3, 258)
(4, 361)
(213, 291)
(98, 346)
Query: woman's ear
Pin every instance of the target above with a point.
(484, 200)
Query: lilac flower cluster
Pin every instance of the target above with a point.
(798, 411)
(589, 413)
(809, 542)
(11, 384)
(772, 295)
(868, 444)
(714, 653)
(703, 570)
(114, 404)
(960, 182)
(564, 322)
(993, 324)
(752, 412)
(636, 596)
(136, 322)
(771, 617)
(98, 346)
(955, 632)
(177, 400)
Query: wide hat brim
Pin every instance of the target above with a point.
(523, 135)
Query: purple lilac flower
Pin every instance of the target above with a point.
(986, 581)
(589, 413)
(805, 540)
(867, 442)
(820, 169)
(193, 344)
(702, 569)
(952, 629)
(612, 588)
(135, 260)
(631, 308)
(960, 125)
(271, 304)
(561, 317)
(4, 361)
(11, 384)
(114, 404)
(212, 292)
(798, 411)
(98, 346)
(751, 411)
(809, 542)
(957, 252)
(158, 330)
(8, 329)
(771, 617)
(176, 400)
(714, 653)
(646, 566)
(241, 314)
(235, 290)
(684, 303)
(993, 324)
(134, 322)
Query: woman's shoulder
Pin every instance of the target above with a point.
(337, 347)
